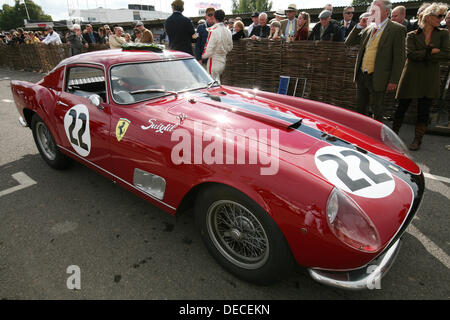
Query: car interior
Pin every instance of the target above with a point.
(84, 82)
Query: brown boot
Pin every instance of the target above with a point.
(421, 128)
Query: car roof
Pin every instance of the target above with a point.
(119, 56)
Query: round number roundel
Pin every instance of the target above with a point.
(354, 172)
(76, 124)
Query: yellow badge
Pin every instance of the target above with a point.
(121, 128)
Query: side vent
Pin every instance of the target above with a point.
(149, 183)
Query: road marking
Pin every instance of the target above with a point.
(430, 246)
(24, 182)
(7, 101)
(438, 178)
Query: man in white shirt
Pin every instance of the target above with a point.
(52, 37)
(219, 43)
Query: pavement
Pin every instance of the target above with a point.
(126, 248)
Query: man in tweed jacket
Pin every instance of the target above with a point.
(380, 60)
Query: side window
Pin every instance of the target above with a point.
(85, 81)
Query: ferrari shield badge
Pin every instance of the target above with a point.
(121, 128)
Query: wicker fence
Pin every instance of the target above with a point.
(37, 57)
(324, 69)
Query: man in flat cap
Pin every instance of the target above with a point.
(146, 35)
(179, 29)
(255, 19)
(326, 30)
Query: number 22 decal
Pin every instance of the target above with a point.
(354, 172)
(76, 125)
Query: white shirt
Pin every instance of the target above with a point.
(52, 38)
(250, 28)
(220, 42)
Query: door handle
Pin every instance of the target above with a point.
(60, 103)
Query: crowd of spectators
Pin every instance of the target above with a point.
(77, 37)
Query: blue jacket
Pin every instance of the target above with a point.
(180, 30)
(201, 40)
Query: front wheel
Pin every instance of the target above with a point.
(46, 144)
(241, 236)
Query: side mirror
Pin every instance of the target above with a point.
(95, 100)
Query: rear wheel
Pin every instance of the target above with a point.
(241, 236)
(46, 144)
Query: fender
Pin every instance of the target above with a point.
(38, 99)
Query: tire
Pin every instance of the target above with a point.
(245, 240)
(46, 144)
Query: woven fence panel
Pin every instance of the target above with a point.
(38, 57)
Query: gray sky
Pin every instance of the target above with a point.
(58, 9)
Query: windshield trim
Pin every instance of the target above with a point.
(145, 62)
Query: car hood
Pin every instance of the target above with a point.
(299, 130)
(246, 114)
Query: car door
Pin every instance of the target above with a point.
(82, 124)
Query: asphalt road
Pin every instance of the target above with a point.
(128, 249)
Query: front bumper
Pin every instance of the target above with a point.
(368, 277)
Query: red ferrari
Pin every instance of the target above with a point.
(274, 180)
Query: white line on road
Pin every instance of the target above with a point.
(438, 178)
(24, 182)
(7, 101)
(430, 246)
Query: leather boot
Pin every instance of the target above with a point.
(421, 128)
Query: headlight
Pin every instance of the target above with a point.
(350, 224)
(393, 140)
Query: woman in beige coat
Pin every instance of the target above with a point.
(425, 49)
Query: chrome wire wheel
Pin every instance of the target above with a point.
(237, 234)
(45, 141)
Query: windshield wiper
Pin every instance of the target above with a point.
(212, 83)
(154, 90)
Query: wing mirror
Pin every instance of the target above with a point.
(96, 100)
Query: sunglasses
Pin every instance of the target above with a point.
(211, 15)
(439, 16)
(348, 12)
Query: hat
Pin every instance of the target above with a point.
(48, 27)
(280, 13)
(255, 14)
(325, 14)
(292, 7)
(139, 23)
(178, 3)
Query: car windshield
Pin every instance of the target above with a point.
(138, 82)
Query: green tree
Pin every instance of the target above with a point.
(245, 6)
(12, 17)
(361, 2)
